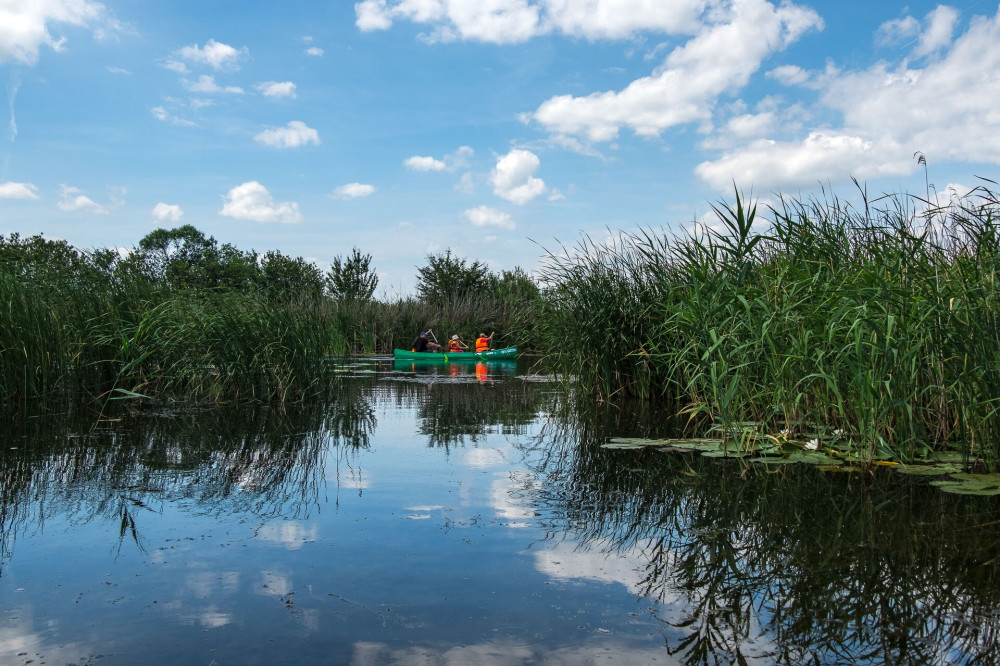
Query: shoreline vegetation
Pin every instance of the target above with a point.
(873, 325)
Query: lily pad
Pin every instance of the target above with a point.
(774, 460)
(968, 487)
(947, 457)
(929, 470)
(977, 478)
(719, 453)
(839, 468)
(622, 446)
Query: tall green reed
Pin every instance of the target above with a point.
(873, 324)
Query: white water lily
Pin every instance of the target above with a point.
(812, 445)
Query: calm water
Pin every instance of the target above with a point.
(466, 515)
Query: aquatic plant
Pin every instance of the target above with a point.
(878, 319)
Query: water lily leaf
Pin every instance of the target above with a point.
(622, 446)
(773, 460)
(977, 478)
(719, 453)
(947, 456)
(929, 470)
(967, 487)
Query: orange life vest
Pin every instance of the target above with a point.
(482, 344)
(455, 346)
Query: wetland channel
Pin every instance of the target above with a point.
(466, 515)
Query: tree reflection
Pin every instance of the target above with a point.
(790, 565)
(257, 460)
(460, 404)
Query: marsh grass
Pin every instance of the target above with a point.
(88, 321)
(875, 324)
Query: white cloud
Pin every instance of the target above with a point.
(484, 216)
(12, 190)
(207, 84)
(513, 178)
(71, 199)
(940, 28)
(767, 164)
(167, 212)
(175, 66)
(119, 70)
(214, 54)
(314, 51)
(717, 61)
(353, 191)
(293, 135)
(276, 89)
(789, 75)
(25, 24)
(161, 113)
(945, 109)
(604, 19)
(897, 31)
(252, 201)
(513, 21)
(460, 158)
(456, 160)
(466, 184)
(420, 163)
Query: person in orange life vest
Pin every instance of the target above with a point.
(483, 343)
(456, 345)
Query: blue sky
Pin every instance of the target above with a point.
(494, 127)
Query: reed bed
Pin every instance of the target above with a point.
(873, 325)
(115, 328)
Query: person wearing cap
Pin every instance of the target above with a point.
(456, 345)
(422, 343)
(483, 343)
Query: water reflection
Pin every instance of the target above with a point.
(789, 565)
(465, 514)
(467, 401)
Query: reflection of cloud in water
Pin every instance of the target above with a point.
(600, 562)
(567, 560)
(274, 584)
(213, 620)
(22, 638)
(354, 481)
(483, 458)
(202, 584)
(608, 652)
(511, 499)
(288, 533)
(422, 512)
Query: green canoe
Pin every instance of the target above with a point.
(505, 354)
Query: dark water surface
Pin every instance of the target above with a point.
(466, 515)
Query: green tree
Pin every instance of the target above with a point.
(447, 278)
(288, 278)
(513, 286)
(352, 279)
(179, 257)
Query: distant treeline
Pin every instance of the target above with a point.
(877, 322)
(180, 316)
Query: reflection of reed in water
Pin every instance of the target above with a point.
(261, 461)
(788, 566)
(456, 414)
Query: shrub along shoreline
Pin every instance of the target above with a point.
(875, 323)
